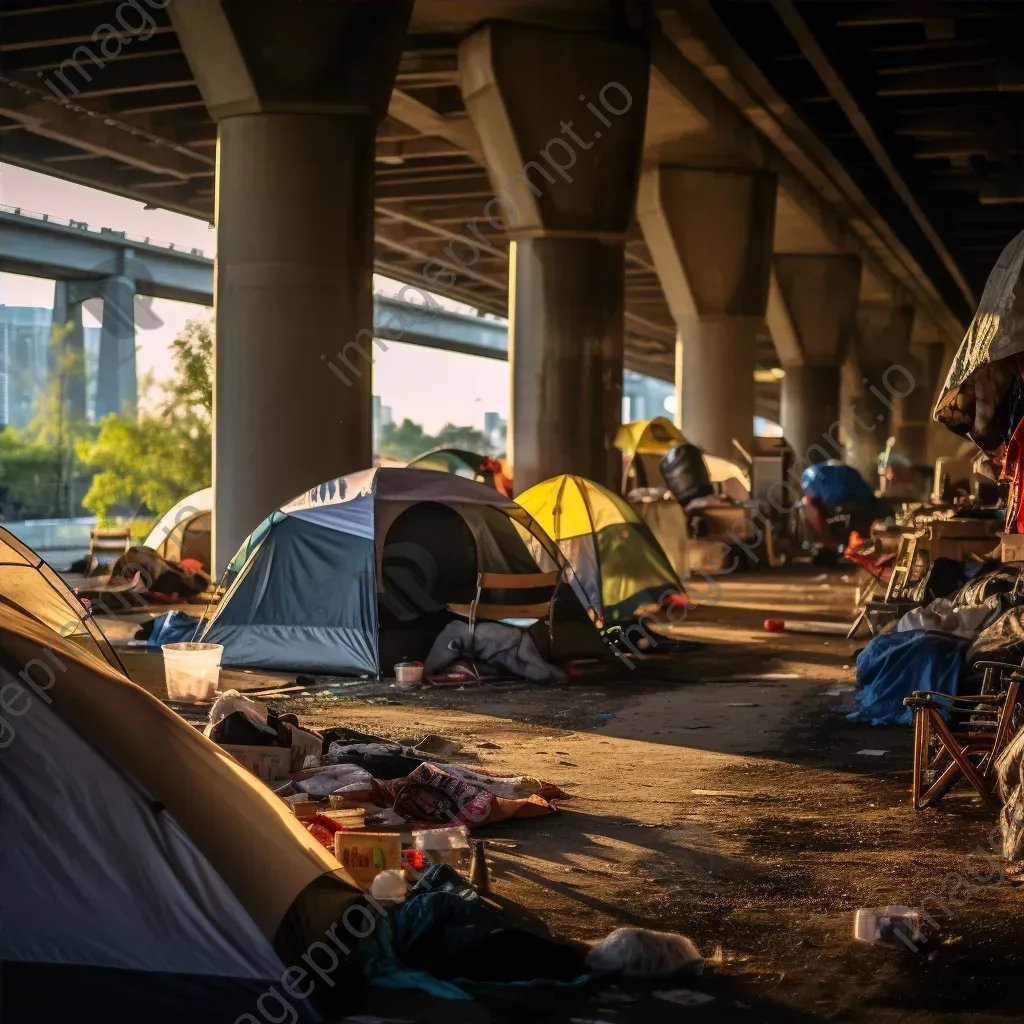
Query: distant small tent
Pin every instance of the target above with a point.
(186, 530)
(358, 574)
(484, 469)
(617, 562)
(644, 443)
(144, 874)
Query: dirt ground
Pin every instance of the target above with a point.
(730, 802)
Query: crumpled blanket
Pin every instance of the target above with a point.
(432, 794)
(497, 646)
(944, 615)
(340, 778)
(894, 665)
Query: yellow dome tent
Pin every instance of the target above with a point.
(655, 438)
(619, 567)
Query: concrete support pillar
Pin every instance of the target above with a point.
(116, 383)
(810, 411)
(294, 277)
(567, 372)
(67, 314)
(294, 297)
(912, 413)
(882, 347)
(819, 298)
(562, 146)
(710, 233)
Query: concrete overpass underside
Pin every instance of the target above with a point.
(757, 158)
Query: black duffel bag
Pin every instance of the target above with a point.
(686, 474)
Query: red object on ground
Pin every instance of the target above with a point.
(774, 625)
(677, 600)
(192, 564)
(413, 860)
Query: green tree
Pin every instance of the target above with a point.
(408, 439)
(153, 461)
(38, 465)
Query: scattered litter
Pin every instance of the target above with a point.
(740, 704)
(641, 953)
(872, 753)
(721, 792)
(684, 997)
(604, 716)
(890, 925)
(838, 691)
(806, 626)
(436, 746)
(759, 678)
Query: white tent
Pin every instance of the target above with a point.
(186, 530)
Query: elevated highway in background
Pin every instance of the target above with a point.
(76, 254)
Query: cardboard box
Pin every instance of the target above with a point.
(364, 855)
(267, 763)
(1011, 547)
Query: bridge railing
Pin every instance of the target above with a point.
(81, 225)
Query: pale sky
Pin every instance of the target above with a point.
(425, 385)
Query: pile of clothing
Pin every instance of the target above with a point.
(147, 576)
(936, 647)
(394, 783)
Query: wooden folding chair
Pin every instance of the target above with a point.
(493, 611)
(966, 749)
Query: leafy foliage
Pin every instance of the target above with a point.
(156, 460)
(408, 439)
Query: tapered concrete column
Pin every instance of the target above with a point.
(116, 384)
(297, 91)
(67, 310)
(562, 145)
(294, 291)
(818, 296)
(710, 232)
(882, 347)
(911, 415)
(567, 378)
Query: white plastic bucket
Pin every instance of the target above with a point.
(191, 670)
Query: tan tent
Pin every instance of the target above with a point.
(28, 584)
(200, 870)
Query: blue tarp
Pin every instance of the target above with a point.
(833, 484)
(894, 665)
(174, 627)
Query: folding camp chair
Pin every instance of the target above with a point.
(493, 611)
(967, 747)
(106, 546)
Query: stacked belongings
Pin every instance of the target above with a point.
(983, 396)
(837, 502)
(938, 646)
